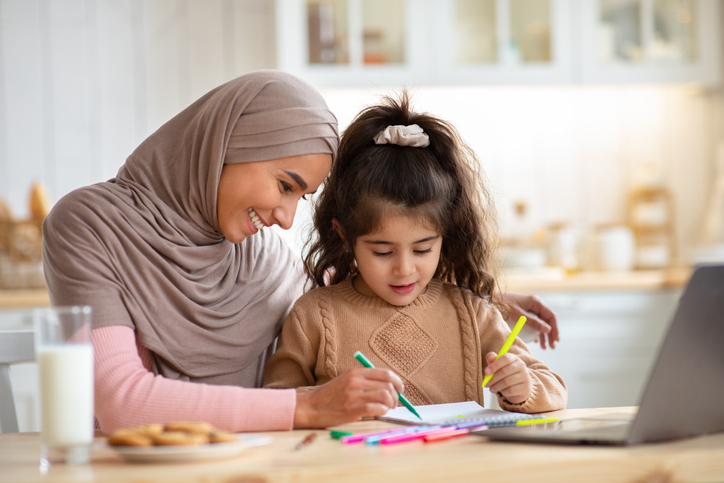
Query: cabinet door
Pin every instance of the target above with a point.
(650, 41)
(352, 42)
(608, 343)
(502, 41)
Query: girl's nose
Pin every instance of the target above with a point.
(284, 214)
(404, 266)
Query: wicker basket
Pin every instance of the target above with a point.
(20, 254)
(21, 244)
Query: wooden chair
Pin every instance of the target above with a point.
(15, 346)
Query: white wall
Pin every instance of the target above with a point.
(573, 153)
(83, 82)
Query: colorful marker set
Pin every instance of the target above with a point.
(411, 433)
(427, 433)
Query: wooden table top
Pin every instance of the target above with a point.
(468, 458)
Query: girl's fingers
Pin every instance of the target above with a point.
(494, 366)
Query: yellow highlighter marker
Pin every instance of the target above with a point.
(528, 422)
(508, 342)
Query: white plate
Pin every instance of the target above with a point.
(166, 454)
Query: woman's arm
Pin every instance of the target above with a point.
(127, 394)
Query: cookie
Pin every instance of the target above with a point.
(222, 437)
(129, 437)
(189, 427)
(179, 438)
(150, 429)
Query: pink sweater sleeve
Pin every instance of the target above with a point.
(127, 394)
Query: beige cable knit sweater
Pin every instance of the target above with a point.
(437, 345)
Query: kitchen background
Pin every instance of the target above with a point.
(599, 125)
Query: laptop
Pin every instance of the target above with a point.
(684, 395)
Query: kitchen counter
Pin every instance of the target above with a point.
(23, 298)
(542, 281)
(558, 281)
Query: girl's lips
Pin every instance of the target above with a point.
(403, 289)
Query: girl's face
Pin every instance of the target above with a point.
(397, 261)
(252, 196)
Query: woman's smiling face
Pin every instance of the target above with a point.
(265, 193)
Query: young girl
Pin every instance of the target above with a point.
(403, 230)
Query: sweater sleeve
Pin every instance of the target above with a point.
(294, 362)
(548, 392)
(127, 394)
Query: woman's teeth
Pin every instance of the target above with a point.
(255, 220)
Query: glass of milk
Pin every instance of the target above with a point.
(65, 363)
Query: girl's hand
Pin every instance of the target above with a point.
(356, 393)
(540, 316)
(511, 378)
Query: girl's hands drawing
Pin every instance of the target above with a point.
(356, 393)
(511, 378)
(540, 316)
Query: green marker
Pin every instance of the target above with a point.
(506, 345)
(365, 362)
(336, 434)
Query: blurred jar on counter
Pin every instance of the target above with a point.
(614, 248)
(563, 246)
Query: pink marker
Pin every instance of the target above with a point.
(402, 438)
(358, 438)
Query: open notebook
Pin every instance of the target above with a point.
(455, 413)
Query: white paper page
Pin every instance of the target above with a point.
(439, 413)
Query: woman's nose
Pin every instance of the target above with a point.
(284, 214)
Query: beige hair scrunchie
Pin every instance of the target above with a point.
(411, 135)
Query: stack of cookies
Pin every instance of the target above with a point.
(171, 434)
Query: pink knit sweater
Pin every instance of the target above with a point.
(128, 394)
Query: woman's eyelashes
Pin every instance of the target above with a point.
(287, 188)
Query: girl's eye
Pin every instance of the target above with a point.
(422, 252)
(286, 187)
(381, 254)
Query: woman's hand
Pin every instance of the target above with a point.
(511, 378)
(356, 393)
(540, 316)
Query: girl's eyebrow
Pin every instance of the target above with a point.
(383, 242)
(298, 179)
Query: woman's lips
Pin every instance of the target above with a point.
(403, 289)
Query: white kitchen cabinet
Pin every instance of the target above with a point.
(650, 41)
(448, 42)
(332, 42)
(608, 343)
(501, 41)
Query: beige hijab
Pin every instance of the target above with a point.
(144, 249)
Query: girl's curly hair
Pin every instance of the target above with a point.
(441, 184)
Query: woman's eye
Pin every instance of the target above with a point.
(381, 254)
(286, 186)
(422, 252)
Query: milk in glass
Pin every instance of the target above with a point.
(66, 388)
(64, 353)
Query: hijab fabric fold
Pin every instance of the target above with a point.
(144, 249)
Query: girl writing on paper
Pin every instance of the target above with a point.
(402, 241)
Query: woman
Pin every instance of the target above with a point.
(188, 289)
